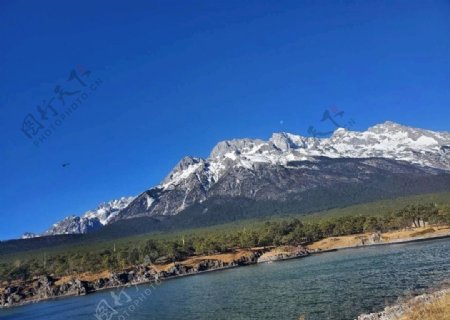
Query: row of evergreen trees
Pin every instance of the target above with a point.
(271, 233)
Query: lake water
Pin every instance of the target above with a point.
(337, 285)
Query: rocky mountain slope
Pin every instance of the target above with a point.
(288, 164)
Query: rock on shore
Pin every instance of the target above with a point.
(47, 287)
(283, 253)
(397, 311)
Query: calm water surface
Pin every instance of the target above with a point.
(338, 285)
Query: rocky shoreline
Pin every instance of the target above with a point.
(49, 287)
(399, 310)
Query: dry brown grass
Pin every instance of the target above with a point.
(193, 261)
(95, 276)
(88, 276)
(393, 236)
(414, 232)
(225, 257)
(64, 280)
(286, 250)
(422, 232)
(437, 310)
(335, 243)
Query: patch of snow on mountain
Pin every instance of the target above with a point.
(150, 201)
(180, 176)
(107, 210)
(387, 140)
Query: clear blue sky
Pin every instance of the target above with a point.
(178, 76)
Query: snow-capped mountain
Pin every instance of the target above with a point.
(388, 140)
(90, 221)
(287, 173)
(233, 163)
(108, 210)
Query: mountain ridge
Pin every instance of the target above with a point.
(194, 177)
(233, 163)
(91, 220)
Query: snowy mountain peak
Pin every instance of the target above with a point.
(388, 125)
(107, 210)
(233, 146)
(89, 221)
(285, 141)
(181, 171)
(387, 140)
(339, 132)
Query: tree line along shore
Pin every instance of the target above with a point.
(83, 270)
(292, 232)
